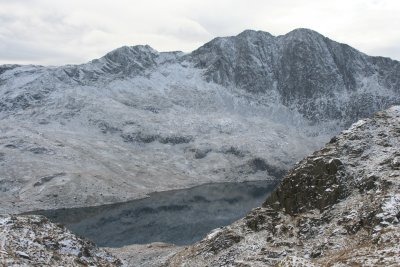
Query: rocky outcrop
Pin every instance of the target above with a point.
(34, 241)
(316, 184)
(339, 206)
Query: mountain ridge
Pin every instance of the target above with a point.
(137, 120)
(282, 62)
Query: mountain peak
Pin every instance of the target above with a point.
(125, 52)
(253, 33)
(125, 60)
(303, 32)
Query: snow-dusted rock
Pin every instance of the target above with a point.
(34, 241)
(303, 70)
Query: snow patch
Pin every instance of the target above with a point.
(213, 233)
(69, 246)
(390, 210)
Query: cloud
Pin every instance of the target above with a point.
(75, 31)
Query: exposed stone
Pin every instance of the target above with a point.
(34, 241)
(305, 185)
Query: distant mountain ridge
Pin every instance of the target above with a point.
(136, 120)
(302, 69)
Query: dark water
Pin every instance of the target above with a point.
(180, 216)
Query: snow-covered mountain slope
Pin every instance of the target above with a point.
(137, 121)
(339, 206)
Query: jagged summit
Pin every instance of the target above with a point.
(301, 68)
(253, 33)
(257, 35)
(129, 59)
(250, 34)
(299, 32)
(129, 51)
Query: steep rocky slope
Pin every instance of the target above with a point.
(303, 70)
(34, 241)
(339, 206)
(137, 121)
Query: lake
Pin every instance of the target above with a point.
(180, 217)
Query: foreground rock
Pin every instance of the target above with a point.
(34, 241)
(338, 207)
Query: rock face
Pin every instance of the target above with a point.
(34, 241)
(339, 206)
(137, 121)
(320, 78)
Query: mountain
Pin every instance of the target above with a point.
(339, 206)
(305, 71)
(136, 121)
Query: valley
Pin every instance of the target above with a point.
(141, 146)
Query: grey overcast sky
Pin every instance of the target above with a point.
(56, 32)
